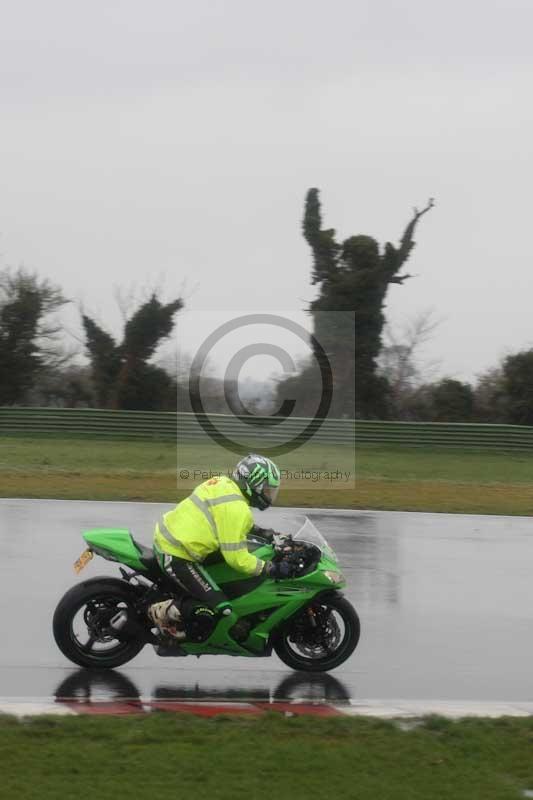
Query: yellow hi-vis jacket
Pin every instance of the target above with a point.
(216, 516)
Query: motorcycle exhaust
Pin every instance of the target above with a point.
(126, 628)
(170, 650)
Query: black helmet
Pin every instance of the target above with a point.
(259, 479)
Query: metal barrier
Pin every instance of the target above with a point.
(181, 427)
(171, 426)
(472, 436)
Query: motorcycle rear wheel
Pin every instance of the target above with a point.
(297, 653)
(80, 622)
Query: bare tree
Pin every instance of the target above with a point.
(400, 359)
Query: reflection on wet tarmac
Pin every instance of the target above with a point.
(445, 604)
(86, 685)
(370, 554)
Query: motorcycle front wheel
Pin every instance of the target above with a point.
(81, 624)
(321, 637)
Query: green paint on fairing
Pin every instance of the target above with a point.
(286, 596)
(114, 544)
(279, 599)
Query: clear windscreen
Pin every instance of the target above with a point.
(311, 535)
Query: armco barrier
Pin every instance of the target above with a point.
(475, 436)
(183, 427)
(169, 426)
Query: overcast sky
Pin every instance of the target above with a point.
(171, 143)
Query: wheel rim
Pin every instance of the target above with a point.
(318, 635)
(89, 627)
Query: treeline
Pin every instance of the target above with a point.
(376, 380)
(352, 277)
(369, 379)
(37, 370)
(503, 394)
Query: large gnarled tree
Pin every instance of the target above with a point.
(354, 276)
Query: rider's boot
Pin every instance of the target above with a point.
(168, 619)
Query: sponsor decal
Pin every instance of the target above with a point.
(204, 610)
(203, 583)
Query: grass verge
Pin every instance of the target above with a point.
(409, 479)
(96, 469)
(445, 480)
(230, 758)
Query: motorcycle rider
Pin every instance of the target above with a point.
(215, 518)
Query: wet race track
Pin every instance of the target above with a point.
(445, 602)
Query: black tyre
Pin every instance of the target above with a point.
(81, 624)
(321, 637)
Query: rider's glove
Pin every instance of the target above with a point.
(264, 533)
(277, 570)
(269, 535)
(280, 540)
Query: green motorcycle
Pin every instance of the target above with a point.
(103, 622)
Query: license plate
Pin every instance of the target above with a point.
(82, 561)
